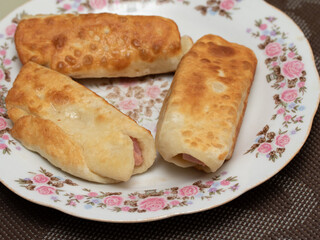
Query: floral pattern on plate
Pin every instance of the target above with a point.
(139, 98)
(288, 77)
(6, 63)
(81, 6)
(143, 200)
(222, 7)
(45, 183)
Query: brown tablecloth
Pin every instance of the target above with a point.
(285, 207)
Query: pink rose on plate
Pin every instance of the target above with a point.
(225, 182)
(40, 178)
(128, 104)
(289, 95)
(2, 146)
(11, 29)
(5, 137)
(287, 118)
(153, 91)
(189, 190)
(282, 85)
(3, 52)
(7, 61)
(209, 183)
(80, 8)
(46, 190)
(301, 84)
(2, 110)
(3, 123)
(1, 74)
(92, 194)
(263, 26)
(263, 37)
(293, 68)
(67, 6)
(280, 111)
(282, 140)
(273, 49)
(79, 197)
(298, 119)
(265, 148)
(113, 200)
(275, 64)
(125, 209)
(132, 197)
(227, 4)
(174, 202)
(291, 54)
(153, 204)
(98, 4)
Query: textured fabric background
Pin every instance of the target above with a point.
(285, 207)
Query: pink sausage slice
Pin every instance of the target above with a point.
(137, 153)
(190, 158)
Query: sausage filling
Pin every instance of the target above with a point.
(192, 159)
(137, 153)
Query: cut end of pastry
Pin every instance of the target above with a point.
(186, 44)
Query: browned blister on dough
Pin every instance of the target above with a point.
(101, 45)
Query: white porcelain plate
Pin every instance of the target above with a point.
(281, 106)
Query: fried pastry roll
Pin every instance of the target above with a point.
(101, 45)
(75, 129)
(203, 110)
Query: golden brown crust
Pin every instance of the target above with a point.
(101, 45)
(75, 129)
(203, 111)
